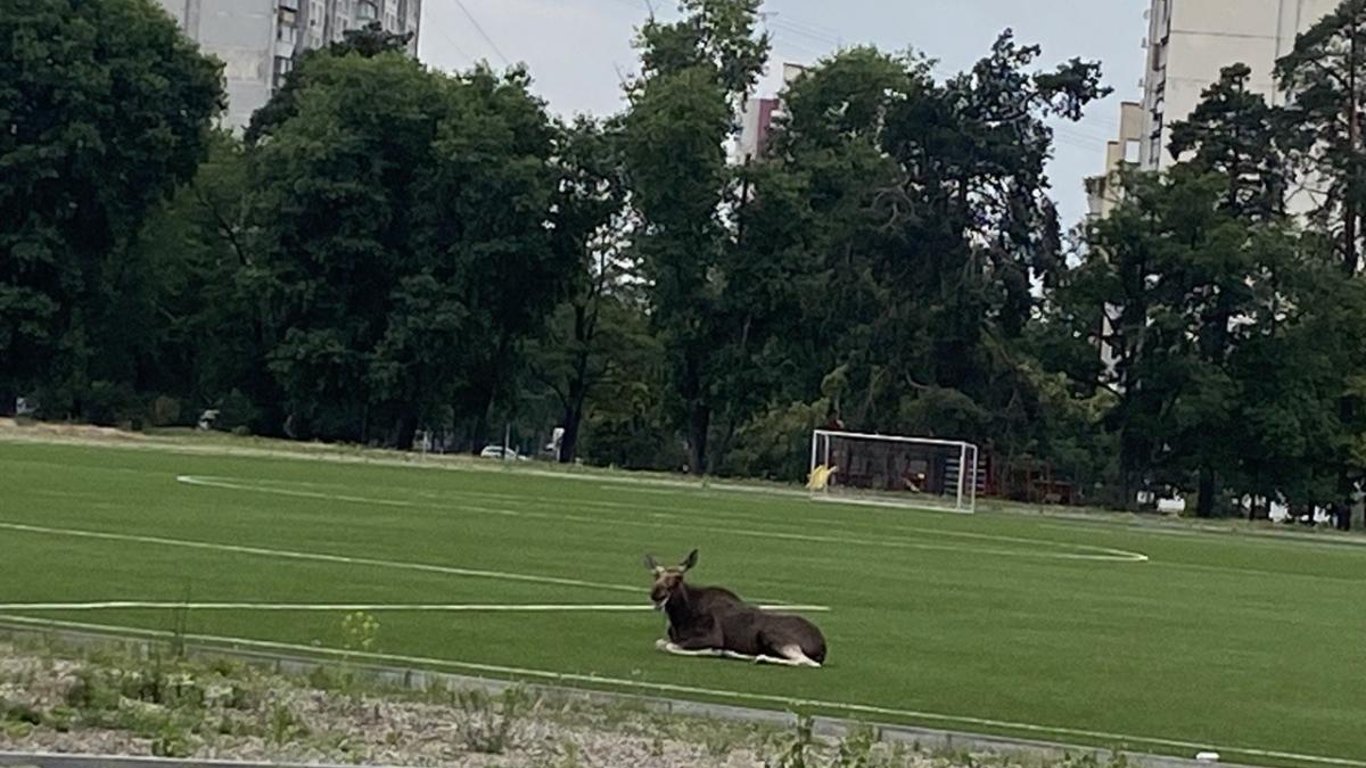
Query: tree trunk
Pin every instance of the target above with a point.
(699, 422)
(1209, 487)
(406, 431)
(569, 441)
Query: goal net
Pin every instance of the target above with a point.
(894, 470)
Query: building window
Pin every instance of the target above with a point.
(366, 11)
(283, 65)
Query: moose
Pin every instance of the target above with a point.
(714, 621)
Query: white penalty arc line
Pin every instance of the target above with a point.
(336, 559)
(114, 605)
(1087, 552)
(685, 690)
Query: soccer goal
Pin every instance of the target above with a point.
(894, 470)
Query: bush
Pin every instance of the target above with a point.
(165, 412)
(108, 404)
(237, 413)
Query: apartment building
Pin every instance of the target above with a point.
(1188, 42)
(257, 40)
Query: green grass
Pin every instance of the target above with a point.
(977, 623)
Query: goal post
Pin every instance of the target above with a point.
(894, 470)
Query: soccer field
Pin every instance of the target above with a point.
(1158, 638)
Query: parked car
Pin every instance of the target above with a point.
(496, 452)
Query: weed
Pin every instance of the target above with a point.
(60, 719)
(800, 750)
(490, 726)
(360, 632)
(15, 712)
(855, 750)
(283, 726)
(171, 742)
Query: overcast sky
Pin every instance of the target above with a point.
(577, 49)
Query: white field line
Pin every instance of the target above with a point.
(340, 559)
(112, 605)
(318, 557)
(1088, 552)
(714, 693)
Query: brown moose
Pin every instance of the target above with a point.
(714, 621)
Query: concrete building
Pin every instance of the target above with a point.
(257, 40)
(1102, 192)
(757, 116)
(1188, 42)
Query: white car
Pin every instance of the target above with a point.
(496, 452)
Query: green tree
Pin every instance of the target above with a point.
(106, 107)
(403, 221)
(924, 219)
(368, 41)
(208, 329)
(590, 328)
(1233, 132)
(695, 72)
(1326, 72)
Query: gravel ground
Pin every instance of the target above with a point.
(112, 705)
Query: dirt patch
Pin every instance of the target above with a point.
(42, 429)
(84, 703)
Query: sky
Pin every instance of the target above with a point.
(578, 51)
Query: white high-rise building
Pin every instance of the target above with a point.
(257, 40)
(1188, 43)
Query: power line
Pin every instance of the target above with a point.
(477, 28)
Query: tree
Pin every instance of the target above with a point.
(403, 219)
(106, 108)
(926, 220)
(1326, 72)
(368, 41)
(589, 328)
(1233, 132)
(695, 73)
(208, 334)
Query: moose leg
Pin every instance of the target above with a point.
(792, 656)
(678, 650)
(689, 647)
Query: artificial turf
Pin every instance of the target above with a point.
(1011, 624)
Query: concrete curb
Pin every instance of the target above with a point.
(417, 679)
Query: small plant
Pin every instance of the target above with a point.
(171, 742)
(92, 691)
(800, 750)
(718, 742)
(360, 632)
(855, 750)
(14, 712)
(283, 726)
(491, 726)
(60, 719)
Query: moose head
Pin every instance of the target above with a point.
(668, 581)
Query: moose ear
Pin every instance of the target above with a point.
(690, 561)
(650, 563)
